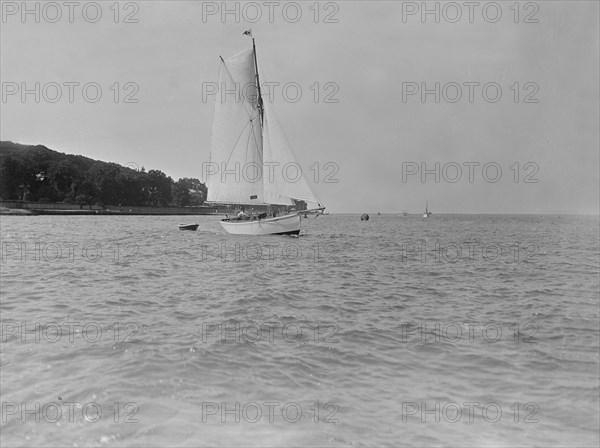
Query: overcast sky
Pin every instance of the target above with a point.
(544, 125)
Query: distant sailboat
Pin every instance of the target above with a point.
(246, 134)
(404, 212)
(427, 213)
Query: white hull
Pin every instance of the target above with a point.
(283, 225)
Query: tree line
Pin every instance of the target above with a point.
(39, 174)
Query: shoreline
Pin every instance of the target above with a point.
(22, 212)
(15, 208)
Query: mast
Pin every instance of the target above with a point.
(260, 101)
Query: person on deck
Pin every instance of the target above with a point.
(242, 215)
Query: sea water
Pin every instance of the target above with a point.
(456, 330)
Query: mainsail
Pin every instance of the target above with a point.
(236, 148)
(254, 160)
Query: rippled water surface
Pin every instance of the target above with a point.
(397, 331)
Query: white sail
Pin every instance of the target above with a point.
(252, 162)
(284, 179)
(236, 148)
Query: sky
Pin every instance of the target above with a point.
(491, 108)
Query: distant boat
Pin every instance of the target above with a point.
(364, 217)
(246, 133)
(193, 227)
(427, 213)
(404, 212)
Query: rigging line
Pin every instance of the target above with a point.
(259, 101)
(250, 134)
(311, 220)
(260, 153)
(236, 142)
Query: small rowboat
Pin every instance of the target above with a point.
(188, 227)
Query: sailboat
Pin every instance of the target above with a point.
(255, 161)
(427, 212)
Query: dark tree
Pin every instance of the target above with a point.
(35, 173)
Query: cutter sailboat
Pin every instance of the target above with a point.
(251, 160)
